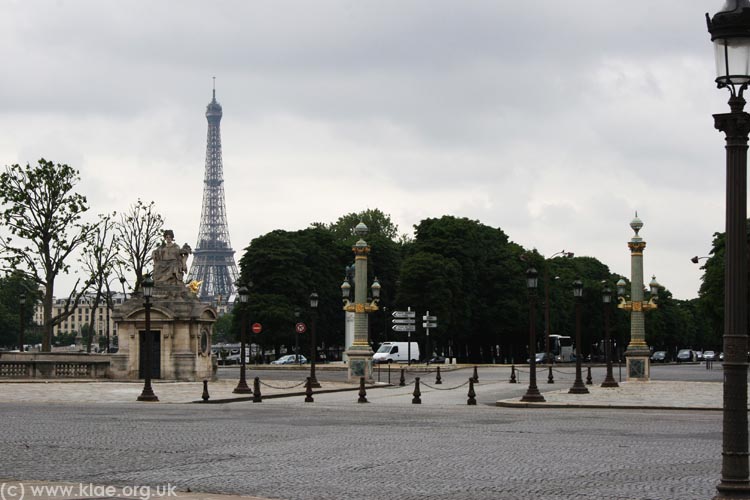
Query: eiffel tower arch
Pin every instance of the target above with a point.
(213, 258)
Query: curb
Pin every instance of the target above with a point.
(557, 406)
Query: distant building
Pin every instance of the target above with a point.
(82, 316)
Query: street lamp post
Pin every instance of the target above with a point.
(296, 336)
(148, 393)
(637, 354)
(547, 329)
(532, 393)
(730, 33)
(359, 354)
(244, 294)
(22, 303)
(578, 386)
(313, 341)
(609, 379)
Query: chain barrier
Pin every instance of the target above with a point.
(284, 388)
(442, 388)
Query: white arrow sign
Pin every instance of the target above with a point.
(427, 324)
(404, 314)
(404, 321)
(404, 328)
(429, 318)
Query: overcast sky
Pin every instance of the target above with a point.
(553, 120)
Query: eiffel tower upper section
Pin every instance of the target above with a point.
(213, 258)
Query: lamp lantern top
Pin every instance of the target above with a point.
(532, 278)
(606, 294)
(654, 286)
(314, 300)
(730, 33)
(148, 286)
(636, 224)
(361, 229)
(375, 287)
(345, 288)
(621, 284)
(578, 288)
(244, 294)
(22, 299)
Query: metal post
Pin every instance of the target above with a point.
(578, 387)
(242, 387)
(22, 303)
(609, 379)
(313, 348)
(532, 393)
(550, 377)
(734, 467)
(148, 393)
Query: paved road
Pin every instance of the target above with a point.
(338, 449)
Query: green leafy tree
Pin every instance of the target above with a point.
(223, 328)
(43, 215)
(480, 272)
(376, 221)
(285, 267)
(12, 286)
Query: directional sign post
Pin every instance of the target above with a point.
(427, 323)
(405, 321)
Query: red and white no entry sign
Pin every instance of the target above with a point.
(257, 328)
(300, 328)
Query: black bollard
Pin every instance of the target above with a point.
(205, 395)
(362, 392)
(550, 377)
(309, 392)
(438, 379)
(472, 395)
(588, 377)
(257, 398)
(416, 400)
(475, 378)
(402, 382)
(513, 374)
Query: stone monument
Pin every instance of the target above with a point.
(180, 324)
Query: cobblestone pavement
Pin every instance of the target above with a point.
(336, 448)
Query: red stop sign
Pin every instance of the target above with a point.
(257, 328)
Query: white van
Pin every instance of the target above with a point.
(394, 352)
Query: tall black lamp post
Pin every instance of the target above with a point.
(313, 340)
(609, 379)
(22, 303)
(578, 387)
(148, 393)
(243, 294)
(532, 393)
(730, 33)
(547, 329)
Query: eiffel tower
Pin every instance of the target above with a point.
(213, 258)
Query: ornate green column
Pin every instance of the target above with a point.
(360, 353)
(637, 354)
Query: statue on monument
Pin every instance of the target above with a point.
(170, 261)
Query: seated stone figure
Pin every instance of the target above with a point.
(170, 261)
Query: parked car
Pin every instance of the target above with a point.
(440, 360)
(698, 355)
(710, 356)
(685, 355)
(541, 357)
(659, 357)
(289, 359)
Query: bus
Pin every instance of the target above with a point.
(561, 347)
